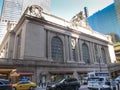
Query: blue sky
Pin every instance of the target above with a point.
(1, 2)
(68, 8)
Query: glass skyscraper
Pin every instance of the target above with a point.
(117, 5)
(13, 9)
(106, 22)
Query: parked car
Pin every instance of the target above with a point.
(99, 83)
(5, 84)
(65, 84)
(117, 79)
(24, 85)
(113, 84)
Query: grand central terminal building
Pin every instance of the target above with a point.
(45, 47)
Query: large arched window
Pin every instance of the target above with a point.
(57, 49)
(103, 55)
(86, 56)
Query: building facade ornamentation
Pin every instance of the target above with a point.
(35, 10)
(47, 50)
(79, 20)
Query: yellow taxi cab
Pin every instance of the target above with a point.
(24, 85)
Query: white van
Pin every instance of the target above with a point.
(98, 74)
(99, 83)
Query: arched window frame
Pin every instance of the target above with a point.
(86, 55)
(57, 49)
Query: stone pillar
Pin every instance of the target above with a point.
(80, 45)
(70, 50)
(91, 52)
(15, 48)
(77, 50)
(49, 46)
(100, 54)
(107, 55)
(66, 48)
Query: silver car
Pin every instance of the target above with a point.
(99, 83)
(117, 79)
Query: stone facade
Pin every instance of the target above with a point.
(49, 46)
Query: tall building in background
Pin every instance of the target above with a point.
(45, 4)
(106, 21)
(117, 5)
(13, 9)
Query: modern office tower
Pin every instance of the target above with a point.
(105, 21)
(13, 9)
(117, 5)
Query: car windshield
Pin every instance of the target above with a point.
(99, 79)
(93, 79)
(23, 82)
(5, 81)
(63, 80)
(118, 77)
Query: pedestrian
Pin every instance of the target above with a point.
(40, 83)
(113, 83)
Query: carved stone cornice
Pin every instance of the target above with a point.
(79, 20)
(35, 11)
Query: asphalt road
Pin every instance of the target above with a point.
(83, 87)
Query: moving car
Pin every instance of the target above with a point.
(117, 79)
(5, 84)
(99, 83)
(65, 84)
(24, 85)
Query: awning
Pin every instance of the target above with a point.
(1, 75)
(25, 73)
(21, 74)
(60, 73)
(14, 75)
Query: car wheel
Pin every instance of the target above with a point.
(76, 88)
(31, 88)
(13, 88)
(71, 88)
(58, 88)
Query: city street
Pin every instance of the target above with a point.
(83, 87)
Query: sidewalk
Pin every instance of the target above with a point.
(83, 86)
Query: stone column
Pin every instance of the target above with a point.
(77, 50)
(100, 54)
(45, 49)
(49, 46)
(107, 55)
(66, 48)
(15, 48)
(70, 50)
(91, 52)
(80, 43)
